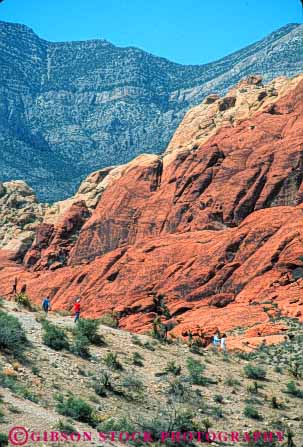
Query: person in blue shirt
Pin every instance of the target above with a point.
(216, 340)
(46, 304)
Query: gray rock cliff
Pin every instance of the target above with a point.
(69, 108)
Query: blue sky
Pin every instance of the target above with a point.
(185, 31)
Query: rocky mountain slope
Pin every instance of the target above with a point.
(211, 230)
(67, 109)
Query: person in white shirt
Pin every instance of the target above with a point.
(223, 343)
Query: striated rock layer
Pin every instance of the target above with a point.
(215, 225)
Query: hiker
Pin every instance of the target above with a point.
(77, 310)
(216, 339)
(190, 338)
(15, 286)
(223, 343)
(46, 304)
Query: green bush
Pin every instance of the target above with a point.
(218, 412)
(76, 408)
(111, 361)
(254, 388)
(16, 387)
(251, 412)
(293, 390)
(12, 335)
(89, 329)
(54, 337)
(102, 385)
(3, 439)
(296, 370)
(173, 368)
(118, 425)
(275, 403)
(133, 383)
(23, 300)
(230, 381)
(196, 369)
(254, 372)
(218, 398)
(177, 389)
(137, 359)
(80, 346)
(65, 427)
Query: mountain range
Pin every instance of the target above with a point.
(69, 108)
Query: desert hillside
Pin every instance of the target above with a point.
(54, 377)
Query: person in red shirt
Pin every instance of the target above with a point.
(77, 310)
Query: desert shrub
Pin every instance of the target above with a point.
(293, 390)
(7, 381)
(275, 403)
(109, 319)
(102, 385)
(254, 388)
(217, 412)
(11, 382)
(65, 427)
(54, 337)
(111, 361)
(3, 439)
(159, 331)
(35, 370)
(118, 425)
(177, 389)
(28, 394)
(230, 381)
(173, 368)
(23, 300)
(14, 409)
(137, 359)
(149, 346)
(171, 419)
(254, 372)
(132, 383)
(12, 335)
(252, 413)
(136, 341)
(80, 346)
(290, 438)
(218, 398)
(184, 421)
(76, 408)
(89, 329)
(296, 370)
(196, 369)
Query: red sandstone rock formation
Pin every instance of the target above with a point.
(217, 227)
